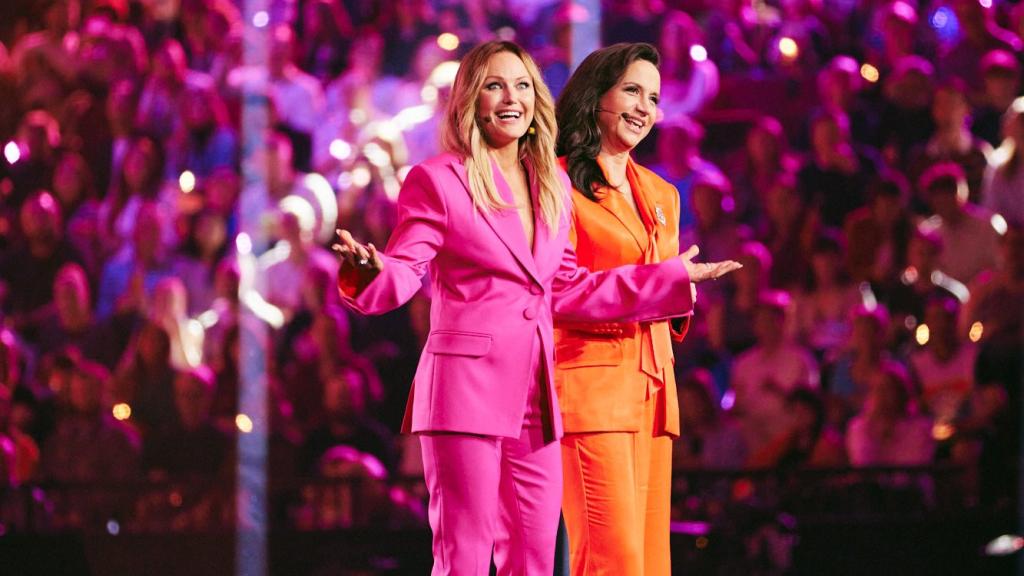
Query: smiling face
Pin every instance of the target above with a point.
(506, 101)
(628, 109)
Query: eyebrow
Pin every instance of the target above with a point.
(492, 77)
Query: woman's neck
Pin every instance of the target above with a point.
(507, 157)
(615, 166)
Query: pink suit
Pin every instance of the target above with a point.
(483, 399)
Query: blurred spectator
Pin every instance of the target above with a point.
(996, 307)
(1003, 187)
(979, 33)
(969, 237)
(708, 437)
(765, 374)
(358, 497)
(757, 167)
(1001, 73)
(75, 190)
(325, 37)
(145, 380)
(839, 85)
(822, 307)
(69, 323)
(809, 441)
(952, 141)
(39, 140)
(160, 99)
(206, 244)
(877, 234)
(788, 233)
(212, 36)
(906, 118)
(129, 277)
(347, 421)
(897, 25)
(89, 445)
(889, 431)
(715, 229)
(29, 267)
(205, 141)
(411, 22)
(195, 447)
(141, 181)
(315, 346)
(834, 179)
(169, 309)
(297, 97)
(921, 278)
(680, 162)
(292, 257)
(688, 83)
(19, 454)
(730, 318)
(849, 371)
(944, 366)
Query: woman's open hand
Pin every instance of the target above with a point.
(355, 254)
(701, 271)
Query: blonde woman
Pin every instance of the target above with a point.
(489, 221)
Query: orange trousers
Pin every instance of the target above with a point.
(616, 500)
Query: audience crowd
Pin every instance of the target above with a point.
(863, 160)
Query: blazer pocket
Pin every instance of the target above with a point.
(471, 344)
(580, 352)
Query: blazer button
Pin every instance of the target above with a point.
(536, 290)
(530, 313)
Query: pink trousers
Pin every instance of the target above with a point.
(492, 493)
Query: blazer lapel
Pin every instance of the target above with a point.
(612, 201)
(505, 223)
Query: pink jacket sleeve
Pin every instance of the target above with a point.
(631, 293)
(422, 219)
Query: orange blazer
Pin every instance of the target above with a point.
(605, 372)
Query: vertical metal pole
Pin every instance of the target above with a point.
(586, 32)
(252, 421)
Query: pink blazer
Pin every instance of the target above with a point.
(494, 301)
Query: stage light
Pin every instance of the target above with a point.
(999, 223)
(340, 149)
(113, 527)
(187, 182)
(728, 400)
(243, 243)
(698, 53)
(940, 19)
(869, 73)
(12, 152)
(1004, 545)
(942, 431)
(922, 334)
(244, 423)
(448, 41)
(361, 176)
(122, 411)
(788, 48)
(976, 332)
(910, 322)
(261, 19)
(909, 276)
(986, 4)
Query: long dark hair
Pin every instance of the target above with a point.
(579, 137)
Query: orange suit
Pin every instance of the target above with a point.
(617, 393)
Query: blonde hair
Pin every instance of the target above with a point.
(461, 134)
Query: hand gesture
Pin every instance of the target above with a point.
(355, 254)
(701, 271)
